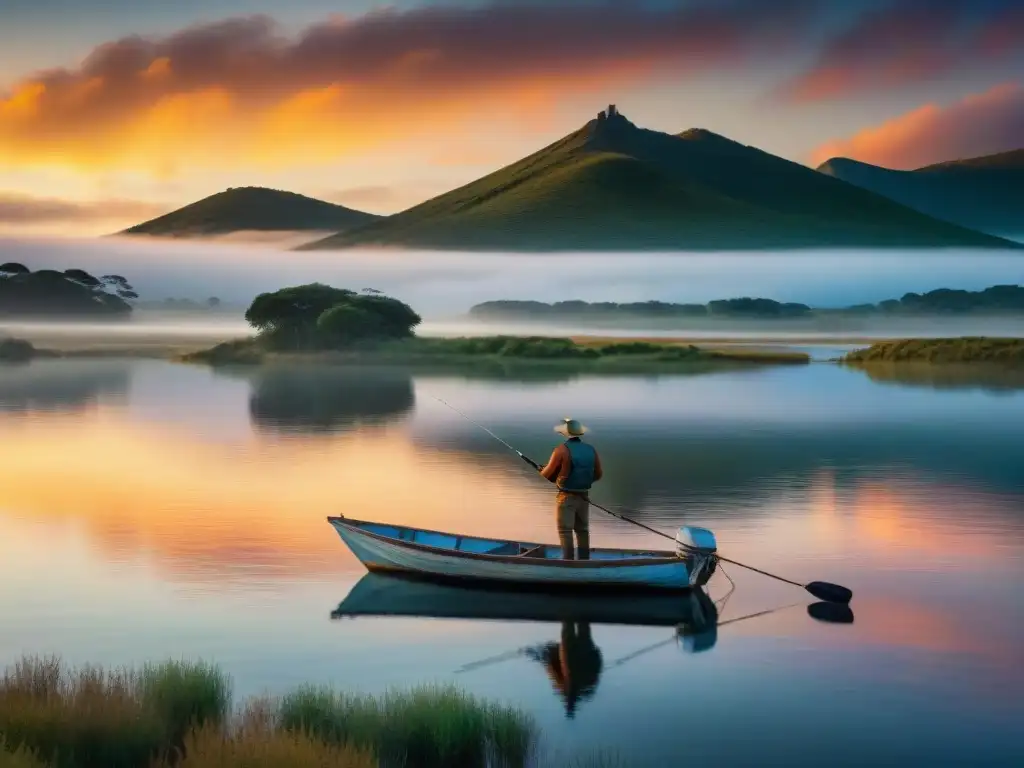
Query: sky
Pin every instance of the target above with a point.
(114, 111)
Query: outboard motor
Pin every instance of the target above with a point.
(698, 547)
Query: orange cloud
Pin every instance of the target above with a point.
(239, 91)
(980, 124)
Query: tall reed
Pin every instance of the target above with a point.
(179, 715)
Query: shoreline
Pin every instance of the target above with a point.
(508, 353)
(172, 344)
(718, 351)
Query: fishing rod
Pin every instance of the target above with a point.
(823, 590)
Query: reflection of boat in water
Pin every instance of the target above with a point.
(573, 663)
(434, 554)
(387, 595)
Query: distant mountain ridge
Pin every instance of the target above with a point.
(984, 193)
(613, 186)
(259, 209)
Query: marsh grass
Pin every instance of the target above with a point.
(266, 747)
(426, 727)
(93, 717)
(179, 713)
(962, 350)
(18, 758)
(184, 694)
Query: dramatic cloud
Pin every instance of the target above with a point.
(980, 124)
(240, 91)
(21, 210)
(908, 41)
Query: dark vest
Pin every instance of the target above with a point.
(582, 458)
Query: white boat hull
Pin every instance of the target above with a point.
(430, 557)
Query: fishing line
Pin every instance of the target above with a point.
(822, 590)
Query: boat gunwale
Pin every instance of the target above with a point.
(667, 558)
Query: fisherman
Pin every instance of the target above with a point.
(574, 467)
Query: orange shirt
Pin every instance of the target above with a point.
(560, 463)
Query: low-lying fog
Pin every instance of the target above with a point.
(443, 286)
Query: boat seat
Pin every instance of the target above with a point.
(509, 548)
(537, 551)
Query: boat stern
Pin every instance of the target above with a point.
(699, 549)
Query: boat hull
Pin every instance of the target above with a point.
(390, 554)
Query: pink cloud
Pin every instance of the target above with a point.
(979, 124)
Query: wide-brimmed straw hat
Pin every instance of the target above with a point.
(570, 428)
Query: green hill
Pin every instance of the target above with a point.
(984, 193)
(614, 186)
(252, 209)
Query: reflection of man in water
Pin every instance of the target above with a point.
(574, 665)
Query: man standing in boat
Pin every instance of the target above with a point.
(574, 467)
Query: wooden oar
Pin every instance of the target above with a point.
(823, 590)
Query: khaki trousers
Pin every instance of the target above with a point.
(573, 516)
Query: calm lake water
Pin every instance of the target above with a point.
(150, 510)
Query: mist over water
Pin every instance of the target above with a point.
(445, 285)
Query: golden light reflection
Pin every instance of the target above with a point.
(879, 521)
(256, 509)
(826, 519)
(898, 520)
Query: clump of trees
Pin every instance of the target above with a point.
(317, 316)
(48, 292)
(735, 308)
(995, 300)
(16, 350)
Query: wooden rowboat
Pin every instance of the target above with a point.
(383, 547)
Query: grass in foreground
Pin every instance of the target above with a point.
(967, 349)
(95, 717)
(507, 349)
(427, 727)
(18, 758)
(180, 714)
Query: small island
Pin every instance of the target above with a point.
(71, 294)
(324, 323)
